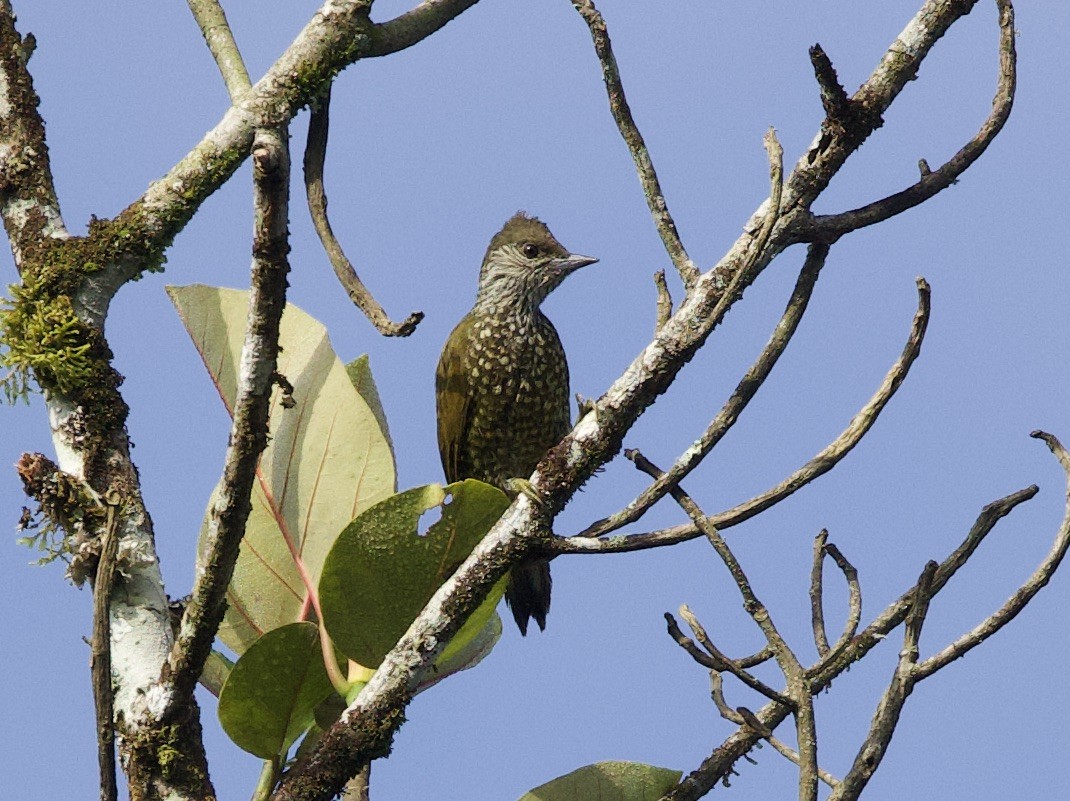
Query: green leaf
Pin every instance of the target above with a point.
(327, 459)
(271, 694)
(381, 572)
(360, 373)
(608, 781)
(216, 669)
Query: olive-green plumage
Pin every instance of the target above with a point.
(502, 382)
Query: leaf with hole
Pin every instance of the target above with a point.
(381, 571)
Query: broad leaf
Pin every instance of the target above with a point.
(608, 781)
(270, 696)
(327, 460)
(360, 373)
(381, 571)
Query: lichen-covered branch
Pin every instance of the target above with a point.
(220, 40)
(249, 430)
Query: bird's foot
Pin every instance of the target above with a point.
(518, 486)
(584, 405)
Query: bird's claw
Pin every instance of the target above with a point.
(521, 486)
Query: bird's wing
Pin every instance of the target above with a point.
(453, 400)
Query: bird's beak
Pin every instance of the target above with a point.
(572, 262)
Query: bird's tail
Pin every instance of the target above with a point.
(528, 593)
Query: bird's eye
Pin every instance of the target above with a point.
(530, 250)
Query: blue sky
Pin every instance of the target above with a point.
(432, 149)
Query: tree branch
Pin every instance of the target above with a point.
(726, 418)
(248, 437)
(100, 661)
(831, 226)
(622, 114)
(1023, 595)
(220, 40)
(28, 201)
(828, 458)
(315, 155)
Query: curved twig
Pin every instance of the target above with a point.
(315, 155)
(823, 462)
(726, 418)
(854, 599)
(830, 226)
(1023, 595)
(622, 114)
(719, 662)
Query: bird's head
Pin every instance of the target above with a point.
(524, 263)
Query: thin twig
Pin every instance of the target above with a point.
(886, 717)
(220, 40)
(728, 415)
(754, 607)
(719, 763)
(831, 226)
(1023, 595)
(819, 465)
(792, 756)
(664, 307)
(817, 613)
(622, 114)
(103, 699)
(719, 662)
(248, 437)
(315, 156)
(854, 598)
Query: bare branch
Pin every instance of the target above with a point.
(831, 226)
(315, 156)
(100, 660)
(813, 469)
(854, 600)
(886, 718)
(839, 138)
(833, 96)
(733, 407)
(248, 437)
(622, 114)
(339, 34)
(220, 40)
(714, 659)
(896, 612)
(664, 307)
(413, 26)
(817, 613)
(720, 762)
(1023, 595)
(754, 607)
(28, 201)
